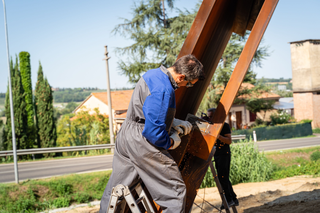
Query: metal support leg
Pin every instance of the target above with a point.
(121, 195)
(221, 192)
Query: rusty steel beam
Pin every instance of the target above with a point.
(207, 39)
(238, 75)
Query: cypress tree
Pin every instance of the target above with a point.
(51, 132)
(47, 135)
(25, 69)
(37, 101)
(20, 113)
(6, 145)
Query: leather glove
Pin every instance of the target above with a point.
(182, 127)
(176, 140)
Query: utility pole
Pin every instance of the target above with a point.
(16, 175)
(109, 101)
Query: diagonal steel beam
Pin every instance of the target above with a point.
(238, 75)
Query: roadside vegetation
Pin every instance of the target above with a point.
(247, 165)
(250, 165)
(58, 192)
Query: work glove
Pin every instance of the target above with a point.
(176, 140)
(182, 127)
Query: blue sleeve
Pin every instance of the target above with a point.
(155, 110)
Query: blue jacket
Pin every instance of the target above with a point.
(153, 103)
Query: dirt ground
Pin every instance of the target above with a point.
(292, 195)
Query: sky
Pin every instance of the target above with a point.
(68, 38)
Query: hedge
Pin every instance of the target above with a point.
(277, 132)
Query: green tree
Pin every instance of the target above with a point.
(2, 135)
(157, 38)
(37, 100)
(25, 69)
(253, 101)
(83, 129)
(19, 108)
(225, 68)
(44, 113)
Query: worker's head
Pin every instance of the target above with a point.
(210, 113)
(189, 70)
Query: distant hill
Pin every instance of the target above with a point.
(273, 80)
(66, 95)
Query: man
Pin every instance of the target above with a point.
(222, 158)
(145, 136)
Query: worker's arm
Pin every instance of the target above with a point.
(155, 110)
(225, 136)
(225, 139)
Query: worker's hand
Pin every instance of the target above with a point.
(176, 140)
(182, 127)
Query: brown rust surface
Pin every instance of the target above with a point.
(242, 66)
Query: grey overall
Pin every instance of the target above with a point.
(135, 158)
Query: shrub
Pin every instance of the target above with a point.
(305, 121)
(247, 165)
(259, 122)
(82, 197)
(280, 118)
(61, 202)
(316, 130)
(315, 156)
(61, 188)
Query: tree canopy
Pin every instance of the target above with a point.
(157, 37)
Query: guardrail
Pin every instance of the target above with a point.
(238, 137)
(55, 149)
(74, 148)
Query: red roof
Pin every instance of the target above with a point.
(120, 99)
(263, 95)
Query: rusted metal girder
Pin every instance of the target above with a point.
(239, 73)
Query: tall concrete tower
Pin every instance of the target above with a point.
(305, 60)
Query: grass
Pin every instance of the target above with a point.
(39, 195)
(289, 163)
(291, 156)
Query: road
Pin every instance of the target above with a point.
(288, 143)
(49, 168)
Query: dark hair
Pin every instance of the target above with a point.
(189, 66)
(211, 110)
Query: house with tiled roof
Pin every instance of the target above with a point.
(119, 101)
(240, 117)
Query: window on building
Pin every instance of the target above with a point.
(253, 116)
